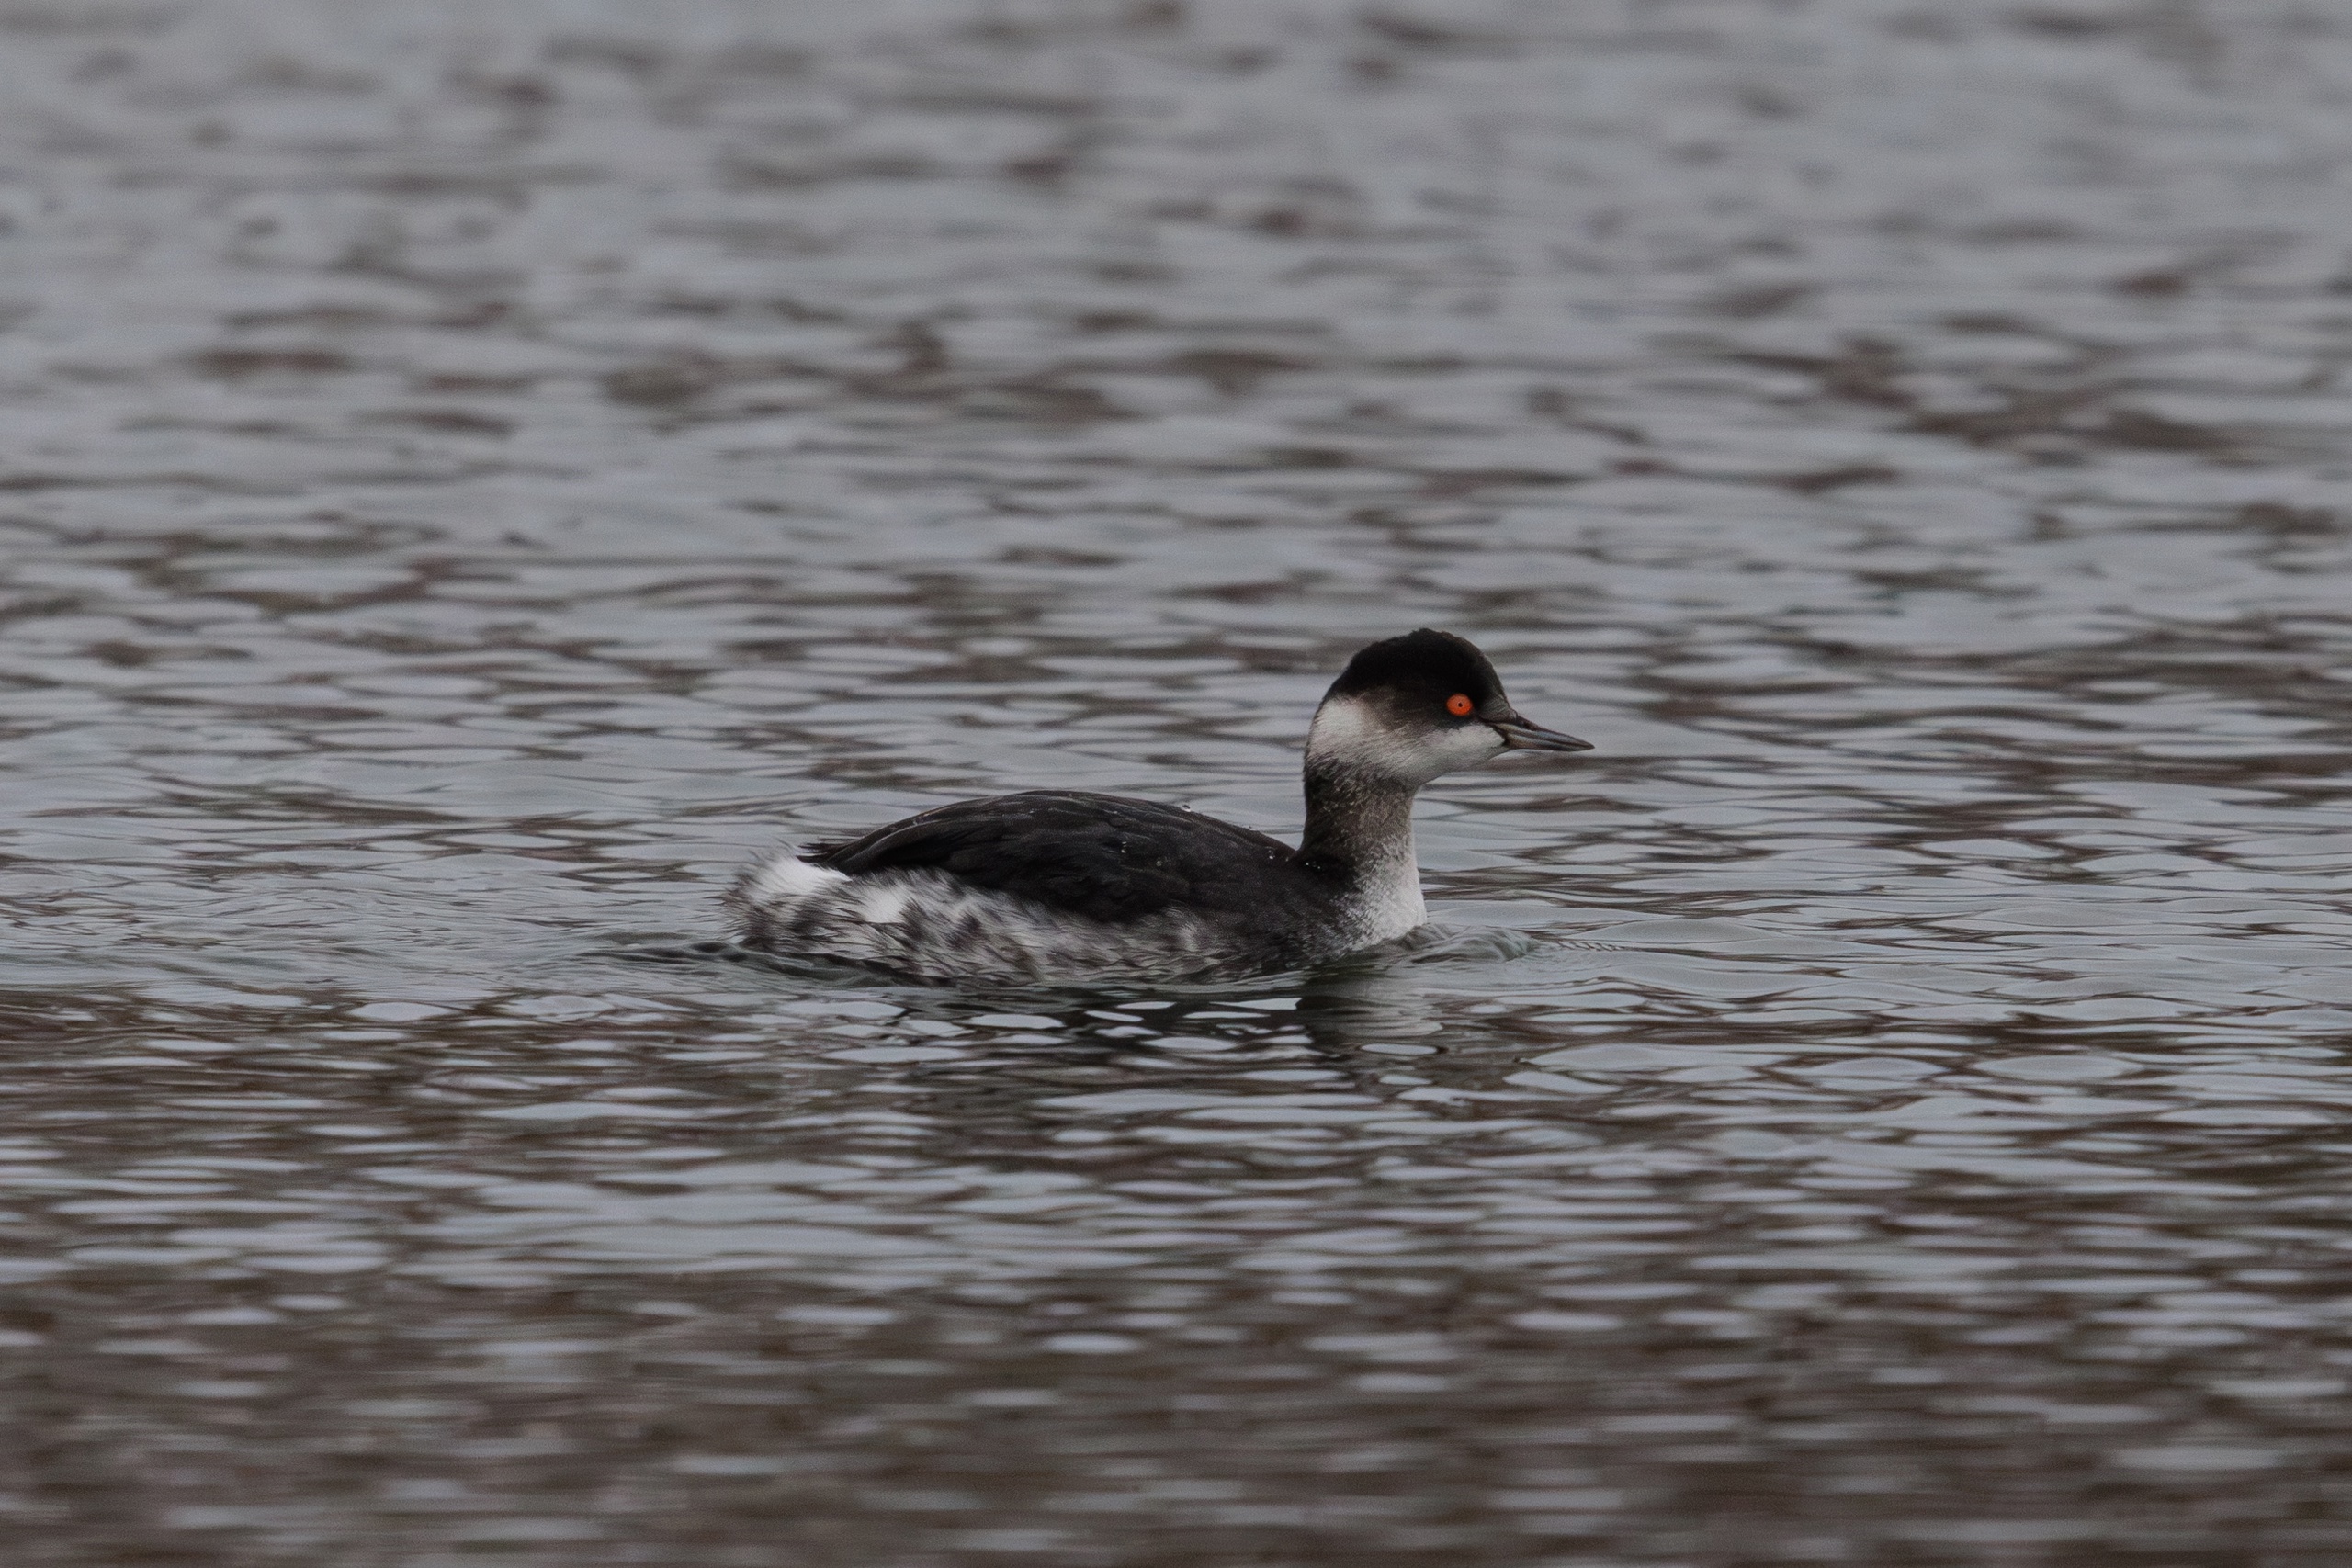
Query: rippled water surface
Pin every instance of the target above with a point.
(476, 474)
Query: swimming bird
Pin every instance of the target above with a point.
(1053, 887)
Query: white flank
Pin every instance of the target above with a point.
(787, 878)
(882, 906)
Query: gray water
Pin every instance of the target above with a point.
(475, 475)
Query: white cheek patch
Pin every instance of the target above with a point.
(1350, 733)
(1467, 745)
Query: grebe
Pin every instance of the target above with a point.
(1051, 887)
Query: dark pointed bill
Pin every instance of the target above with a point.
(1521, 736)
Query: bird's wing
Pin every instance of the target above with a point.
(1101, 856)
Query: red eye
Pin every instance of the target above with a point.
(1458, 706)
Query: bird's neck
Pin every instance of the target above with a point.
(1360, 834)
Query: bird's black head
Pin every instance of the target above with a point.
(1415, 706)
(1402, 671)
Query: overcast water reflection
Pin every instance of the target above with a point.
(476, 475)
